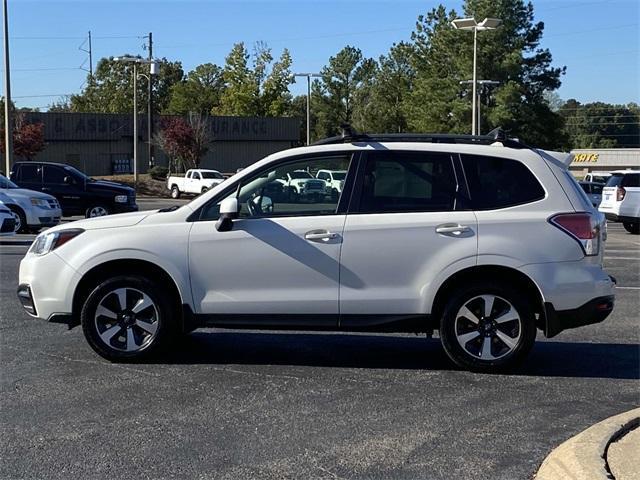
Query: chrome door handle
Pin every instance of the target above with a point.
(453, 228)
(315, 235)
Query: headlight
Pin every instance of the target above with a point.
(47, 242)
(39, 202)
(121, 199)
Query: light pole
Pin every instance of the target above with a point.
(8, 124)
(482, 83)
(308, 75)
(471, 24)
(153, 70)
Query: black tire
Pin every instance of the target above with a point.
(204, 190)
(96, 211)
(175, 192)
(524, 328)
(632, 227)
(22, 218)
(164, 313)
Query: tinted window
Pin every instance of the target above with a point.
(214, 175)
(631, 180)
(614, 180)
(499, 182)
(408, 182)
(339, 175)
(586, 187)
(30, 173)
(54, 175)
(596, 188)
(281, 191)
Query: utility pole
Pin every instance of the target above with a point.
(8, 123)
(150, 107)
(90, 56)
(135, 123)
(483, 87)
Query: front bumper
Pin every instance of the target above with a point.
(594, 311)
(124, 207)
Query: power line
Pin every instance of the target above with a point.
(40, 69)
(43, 96)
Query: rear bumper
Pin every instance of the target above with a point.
(594, 311)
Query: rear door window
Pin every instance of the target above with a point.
(496, 182)
(54, 175)
(408, 182)
(30, 174)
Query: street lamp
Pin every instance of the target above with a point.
(471, 24)
(153, 70)
(308, 75)
(482, 83)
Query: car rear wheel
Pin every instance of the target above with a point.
(632, 227)
(128, 318)
(488, 327)
(175, 192)
(96, 211)
(204, 190)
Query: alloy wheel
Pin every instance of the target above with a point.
(488, 327)
(98, 212)
(127, 319)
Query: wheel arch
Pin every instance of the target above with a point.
(508, 275)
(125, 266)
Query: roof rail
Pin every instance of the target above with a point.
(349, 135)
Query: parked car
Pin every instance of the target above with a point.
(334, 180)
(196, 181)
(598, 177)
(303, 185)
(593, 191)
(33, 210)
(482, 238)
(621, 199)
(77, 193)
(7, 221)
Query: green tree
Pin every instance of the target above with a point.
(343, 92)
(110, 88)
(275, 98)
(199, 92)
(511, 55)
(601, 125)
(240, 96)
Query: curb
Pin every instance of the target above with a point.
(583, 457)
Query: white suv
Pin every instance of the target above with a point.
(484, 240)
(621, 199)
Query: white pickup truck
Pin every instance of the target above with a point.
(196, 181)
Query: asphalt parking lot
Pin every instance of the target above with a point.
(243, 404)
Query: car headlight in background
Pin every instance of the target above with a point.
(39, 202)
(47, 242)
(121, 199)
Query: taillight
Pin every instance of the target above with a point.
(620, 193)
(583, 227)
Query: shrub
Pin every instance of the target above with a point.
(158, 172)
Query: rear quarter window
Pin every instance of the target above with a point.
(614, 180)
(496, 182)
(631, 180)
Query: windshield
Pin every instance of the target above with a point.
(6, 183)
(300, 175)
(339, 175)
(74, 171)
(215, 175)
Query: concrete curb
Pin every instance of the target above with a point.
(583, 457)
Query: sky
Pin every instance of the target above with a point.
(598, 41)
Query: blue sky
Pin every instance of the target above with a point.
(598, 41)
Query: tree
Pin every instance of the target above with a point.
(199, 92)
(345, 88)
(110, 88)
(511, 55)
(28, 138)
(184, 141)
(241, 91)
(275, 98)
(601, 125)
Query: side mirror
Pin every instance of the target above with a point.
(228, 212)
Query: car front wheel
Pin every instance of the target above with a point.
(96, 211)
(128, 318)
(632, 227)
(488, 327)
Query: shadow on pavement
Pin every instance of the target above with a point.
(548, 358)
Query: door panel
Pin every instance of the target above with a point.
(267, 266)
(395, 257)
